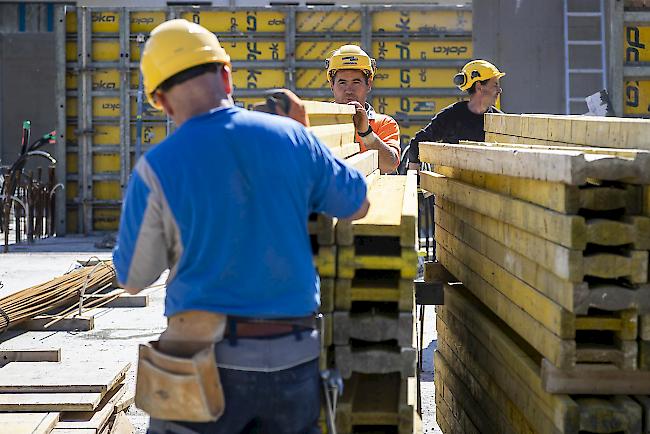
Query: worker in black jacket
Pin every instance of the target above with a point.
(462, 120)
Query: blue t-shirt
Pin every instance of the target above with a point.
(223, 202)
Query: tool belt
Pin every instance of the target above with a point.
(177, 377)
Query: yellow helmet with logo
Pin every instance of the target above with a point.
(476, 70)
(174, 46)
(350, 57)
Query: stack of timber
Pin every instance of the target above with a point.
(367, 269)
(552, 237)
(64, 398)
(373, 327)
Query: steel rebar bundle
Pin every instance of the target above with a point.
(60, 291)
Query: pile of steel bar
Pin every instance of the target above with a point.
(61, 291)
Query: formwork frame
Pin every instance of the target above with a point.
(86, 200)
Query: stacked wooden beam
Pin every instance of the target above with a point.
(551, 241)
(60, 398)
(367, 289)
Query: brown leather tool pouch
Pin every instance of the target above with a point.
(178, 388)
(178, 377)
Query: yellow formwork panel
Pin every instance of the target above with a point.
(238, 21)
(311, 78)
(71, 135)
(102, 163)
(636, 98)
(412, 105)
(415, 78)
(110, 106)
(637, 43)
(328, 21)
(254, 50)
(312, 50)
(71, 22)
(71, 190)
(106, 219)
(421, 50)
(145, 21)
(102, 79)
(422, 21)
(258, 78)
(107, 190)
(103, 51)
(72, 215)
(152, 133)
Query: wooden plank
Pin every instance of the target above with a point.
(69, 377)
(625, 323)
(82, 323)
(511, 366)
(346, 151)
(460, 421)
(125, 401)
(124, 300)
(30, 355)
(374, 290)
(366, 162)
(484, 388)
(373, 326)
(349, 261)
(561, 352)
(325, 261)
(644, 355)
(568, 230)
(93, 419)
(327, 108)
(581, 130)
(614, 414)
(565, 199)
(334, 136)
(374, 400)
(73, 431)
(644, 326)
(375, 359)
(593, 379)
(327, 295)
(385, 221)
(122, 425)
(540, 308)
(538, 144)
(546, 266)
(28, 423)
(45, 402)
(564, 166)
(623, 354)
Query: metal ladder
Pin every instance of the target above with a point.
(570, 72)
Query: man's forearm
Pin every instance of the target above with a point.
(388, 159)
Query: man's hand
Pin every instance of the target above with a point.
(296, 111)
(360, 118)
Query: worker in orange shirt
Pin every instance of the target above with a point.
(350, 72)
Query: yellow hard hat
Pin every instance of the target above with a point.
(350, 57)
(174, 46)
(476, 70)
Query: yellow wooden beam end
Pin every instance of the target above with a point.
(624, 354)
(613, 414)
(327, 295)
(633, 230)
(569, 231)
(349, 262)
(560, 352)
(644, 327)
(334, 136)
(509, 365)
(325, 261)
(634, 266)
(409, 222)
(327, 108)
(346, 293)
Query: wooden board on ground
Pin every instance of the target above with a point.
(558, 166)
(121, 425)
(95, 420)
(594, 380)
(28, 423)
(570, 231)
(82, 323)
(30, 355)
(398, 219)
(69, 377)
(49, 401)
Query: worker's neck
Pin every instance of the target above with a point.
(198, 106)
(478, 105)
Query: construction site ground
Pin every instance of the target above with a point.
(118, 331)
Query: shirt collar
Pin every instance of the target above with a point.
(370, 111)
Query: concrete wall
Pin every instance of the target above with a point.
(525, 38)
(27, 77)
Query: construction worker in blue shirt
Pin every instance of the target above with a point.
(223, 203)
